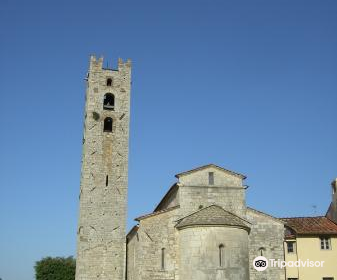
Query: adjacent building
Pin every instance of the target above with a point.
(314, 239)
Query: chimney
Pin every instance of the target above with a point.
(332, 211)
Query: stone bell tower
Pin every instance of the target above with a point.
(104, 173)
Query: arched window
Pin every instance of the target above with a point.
(163, 258)
(221, 255)
(107, 125)
(262, 251)
(109, 82)
(109, 101)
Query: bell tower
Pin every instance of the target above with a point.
(104, 173)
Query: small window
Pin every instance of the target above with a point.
(325, 243)
(163, 258)
(291, 247)
(107, 180)
(109, 82)
(211, 178)
(109, 101)
(221, 255)
(107, 125)
(327, 278)
(262, 251)
(292, 278)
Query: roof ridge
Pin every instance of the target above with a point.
(263, 213)
(213, 215)
(213, 205)
(211, 165)
(171, 189)
(303, 217)
(194, 212)
(156, 212)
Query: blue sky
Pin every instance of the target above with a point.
(248, 85)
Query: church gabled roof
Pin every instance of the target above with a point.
(174, 188)
(210, 165)
(213, 215)
(156, 213)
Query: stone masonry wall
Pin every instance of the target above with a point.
(199, 253)
(268, 233)
(145, 247)
(227, 192)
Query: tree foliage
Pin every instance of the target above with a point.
(55, 268)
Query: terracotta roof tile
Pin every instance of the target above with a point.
(311, 225)
(212, 215)
(156, 213)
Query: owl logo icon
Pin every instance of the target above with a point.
(260, 263)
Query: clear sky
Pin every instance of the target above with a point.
(248, 85)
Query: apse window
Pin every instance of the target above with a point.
(109, 101)
(107, 125)
(221, 255)
(211, 178)
(163, 258)
(325, 243)
(109, 82)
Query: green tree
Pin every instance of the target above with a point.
(55, 268)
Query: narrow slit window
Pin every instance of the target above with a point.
(106, 180)
(107, 125)
(109, 82)
(211, 178)
(109, 102)
(261, 251)
(221, 255)
(163, 258)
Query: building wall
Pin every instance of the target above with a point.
(199, 253)
(309, 248)
(291, 272)
(226, 192)
(132, 268)
(171, 200)
(102, 217)
(154, 233)
(221, 178)
(268, 233)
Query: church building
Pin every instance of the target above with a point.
(201, 229)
